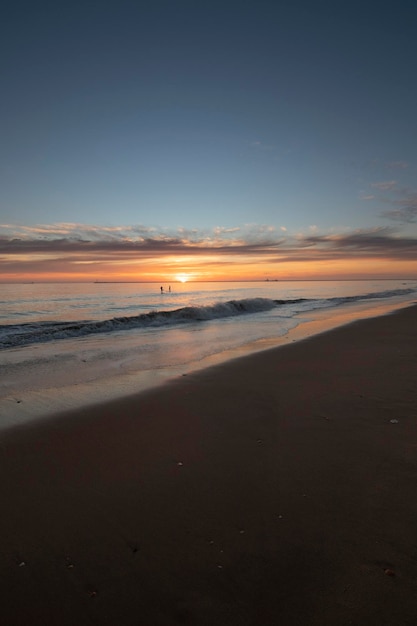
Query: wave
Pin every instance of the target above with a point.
(19, 335)
(391, 293)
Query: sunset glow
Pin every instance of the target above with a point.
(170, 150)
(24, 256)
(88, 253)
(182, 278)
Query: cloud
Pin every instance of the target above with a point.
(385, 185)
(75, 231)
(403, 201)
(124, 242)
(261, 146)
(397, 165)
(407, 211)
(222, 230)
(71, 233)
(376, 243)
(39, 248)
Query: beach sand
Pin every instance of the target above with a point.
(279, 488)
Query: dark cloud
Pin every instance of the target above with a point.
(41, 252)
(375, 244)
(145, 247)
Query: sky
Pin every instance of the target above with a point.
(208, 140)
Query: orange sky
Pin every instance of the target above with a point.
(208, 267)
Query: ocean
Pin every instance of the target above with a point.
(64, 345)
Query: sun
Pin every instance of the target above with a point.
(182, 278)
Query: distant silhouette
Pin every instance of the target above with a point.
(162, 290)
(169, 289)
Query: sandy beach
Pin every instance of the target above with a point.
(278, 488)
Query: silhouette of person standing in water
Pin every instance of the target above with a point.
(162, 290)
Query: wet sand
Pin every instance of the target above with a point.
(279, 488)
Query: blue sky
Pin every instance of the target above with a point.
(200, 120)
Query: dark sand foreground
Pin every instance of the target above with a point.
(275, 489)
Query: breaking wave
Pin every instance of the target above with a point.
(19, 335)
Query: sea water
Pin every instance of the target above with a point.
(63, 345)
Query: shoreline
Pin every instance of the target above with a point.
(18, 406)
(275, 488)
